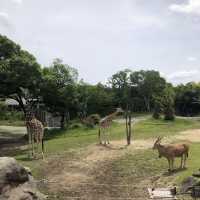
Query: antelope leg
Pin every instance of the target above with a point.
(181, 162)
(184, 161)
(172, 161)
(169, 162)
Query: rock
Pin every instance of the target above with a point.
(188, 183)
(16, 182)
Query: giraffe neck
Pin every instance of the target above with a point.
(110, 117)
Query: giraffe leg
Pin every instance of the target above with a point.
(42, 142)
(37, 147)
(109, 131)
(32, 144)
(29, 142)
(104, 136)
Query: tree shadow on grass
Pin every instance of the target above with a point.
(113, 147)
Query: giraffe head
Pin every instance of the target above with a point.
(29, 115)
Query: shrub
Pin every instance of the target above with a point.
(91, 120)
(169, 113)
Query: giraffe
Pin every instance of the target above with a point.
(35, 131)
(105, 124)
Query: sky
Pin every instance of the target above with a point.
(101, 37)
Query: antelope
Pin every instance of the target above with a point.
(171, 151)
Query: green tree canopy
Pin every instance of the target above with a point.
(19, 70)
(59, 89)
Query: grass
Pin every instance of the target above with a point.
(135, 168)
(153, 128)
(63, 141)
(145, 169)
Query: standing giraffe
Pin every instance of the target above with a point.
(35, 131)
(105, 124)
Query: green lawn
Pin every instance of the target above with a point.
(65, 140)
(145, 163)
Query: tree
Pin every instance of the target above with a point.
(187, 99)
(59, 89)
(168, 103)
(147, 85)
(95, 99)
(158, 107)
(19, 70)
(120, 83)
(122, 87)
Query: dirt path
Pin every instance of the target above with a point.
(11, 138)
(134, 119)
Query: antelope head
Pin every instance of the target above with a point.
(157, 144)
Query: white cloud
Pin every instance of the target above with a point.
(184, 76)
(191, 58)
(3, 15)
(17, 1)
(193, 7)
(4, 19)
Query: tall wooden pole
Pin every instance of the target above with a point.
(128, 126)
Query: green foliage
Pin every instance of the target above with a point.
(59, 89)
(147, 85)
(158, 107)
(94, 99)
(9, 115)
(187, 99)
(168, 103)
(137, 89)
(18, 70)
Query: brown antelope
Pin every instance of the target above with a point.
(171, 151)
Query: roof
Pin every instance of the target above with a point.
(12, 102)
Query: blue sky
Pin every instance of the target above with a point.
(101, 37)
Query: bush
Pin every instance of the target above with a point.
(6, 114)
(91, 120)
(75, 125)
(95, 118)
(169, 113)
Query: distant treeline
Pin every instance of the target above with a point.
(58, 88)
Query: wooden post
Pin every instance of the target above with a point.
(128, 126)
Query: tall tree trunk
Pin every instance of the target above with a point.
(62, 121)
(147, 103)
(21, 104)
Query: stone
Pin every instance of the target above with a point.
(16, 182)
